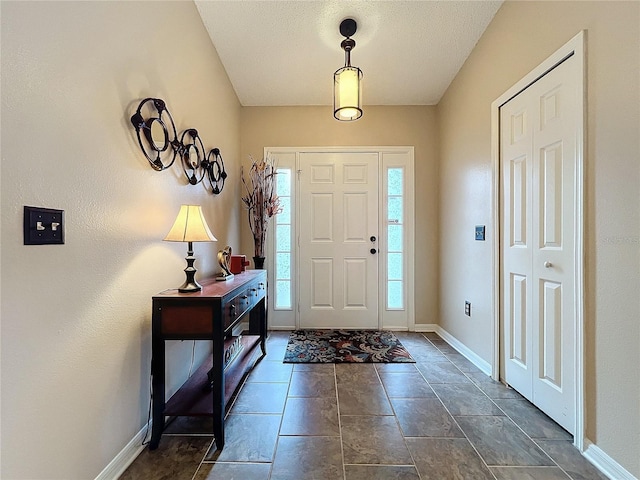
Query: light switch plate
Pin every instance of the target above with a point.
(480, 232)
(43, 226)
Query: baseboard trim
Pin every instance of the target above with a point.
(464, 350)
(425, 327)
(606, 464)
(127, 455)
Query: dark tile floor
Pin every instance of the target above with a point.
(440, 418)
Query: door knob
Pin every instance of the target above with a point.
(548, 264)
(373, 238)
(373, 251)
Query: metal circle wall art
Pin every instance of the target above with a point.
(157, 137)
(192, 154)
(158, 140)
(216, 173)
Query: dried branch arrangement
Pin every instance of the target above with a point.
(261, 200)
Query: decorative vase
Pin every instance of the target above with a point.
(258, 262)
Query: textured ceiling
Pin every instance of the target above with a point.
(285, 52)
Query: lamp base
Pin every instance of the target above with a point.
(190, 287)
(190, 284)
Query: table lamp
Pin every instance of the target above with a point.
(190, 226)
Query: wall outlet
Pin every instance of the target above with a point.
(467, 308)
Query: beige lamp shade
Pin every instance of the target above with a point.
(190, 226)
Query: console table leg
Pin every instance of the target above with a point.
(259, 316)
(218, 390)
(157, 375)
(156, 432)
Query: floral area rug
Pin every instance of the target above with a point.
(345, 346)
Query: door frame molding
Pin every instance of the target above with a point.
(575, 47)
(409, 264)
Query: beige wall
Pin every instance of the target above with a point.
(520, 37)
(379, 126)
(76, 323)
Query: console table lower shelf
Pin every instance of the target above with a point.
(195, 397)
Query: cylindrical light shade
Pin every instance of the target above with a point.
(190, 226)
(347, 93)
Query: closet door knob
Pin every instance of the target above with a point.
(548, 264)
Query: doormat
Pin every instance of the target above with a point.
(345, 346)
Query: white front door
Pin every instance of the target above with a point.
(538, 154)
(338, 236)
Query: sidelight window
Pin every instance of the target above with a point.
(283, 241)
(395, 239)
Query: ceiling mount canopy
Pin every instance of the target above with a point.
(347, 81)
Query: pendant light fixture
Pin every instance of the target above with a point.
(347, 81)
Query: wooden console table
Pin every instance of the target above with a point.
(210, 314)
